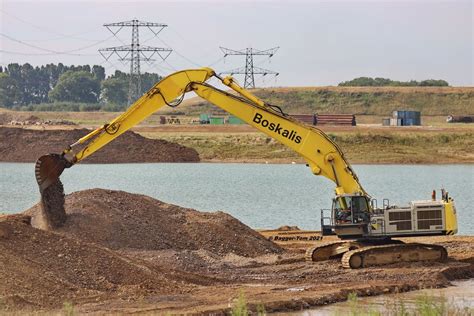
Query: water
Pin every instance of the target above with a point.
(459, 297)
(262, 196)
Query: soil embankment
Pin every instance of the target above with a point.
(27, 145)
(121, 253)
(124, 221)
(99, 254)
(41, 269)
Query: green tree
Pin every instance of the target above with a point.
(76, 86)
(98, 72)
(433, 82)
(25, 86)
(15, 74)
(381, 82)
(32, 84)
(115, 90)
(8, 91)
(149, 80)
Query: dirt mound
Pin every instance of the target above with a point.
(121, 220)
(43, 269)
(25, 145)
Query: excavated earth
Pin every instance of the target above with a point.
(124, 221)
(125, 253)
(26, 145)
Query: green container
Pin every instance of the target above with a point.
(216, 120)
(234, 120)
(204, 118)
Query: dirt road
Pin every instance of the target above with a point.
(122, 252)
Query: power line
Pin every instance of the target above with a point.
(181, 55)
(216, 62)
(135, 53)
(71, 52)
(192, 62)
(41, 28)
(24, 54)
(250, 70)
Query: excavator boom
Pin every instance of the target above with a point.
(322, 155)
(49, 167)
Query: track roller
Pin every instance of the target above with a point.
(388, 254)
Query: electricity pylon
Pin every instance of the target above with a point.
(250, 70)
(134, 53)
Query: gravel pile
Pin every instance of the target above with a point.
(119, 220)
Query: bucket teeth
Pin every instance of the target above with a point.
(48, 168)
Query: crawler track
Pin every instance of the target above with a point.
(324, 251)
(387, 254)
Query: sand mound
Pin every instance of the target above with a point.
(121, 220)
(25, 145)
(110, 248)
(43, 269)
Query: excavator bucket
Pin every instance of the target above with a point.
(48, 168)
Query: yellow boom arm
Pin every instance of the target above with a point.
(163, 93)
(321, 153)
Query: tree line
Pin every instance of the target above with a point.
(66, 88)
(381, 82)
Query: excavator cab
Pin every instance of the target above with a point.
(350, 216)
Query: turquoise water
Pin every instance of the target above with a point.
(260, 195)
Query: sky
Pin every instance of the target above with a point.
(320, 42)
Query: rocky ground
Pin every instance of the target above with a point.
(121, 253)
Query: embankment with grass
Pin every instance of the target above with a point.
(367, 147)
(381, 101)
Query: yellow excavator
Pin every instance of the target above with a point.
(366, 230)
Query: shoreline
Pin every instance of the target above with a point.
(221, 144)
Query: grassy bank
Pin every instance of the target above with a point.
(359, 147)
(359, 100)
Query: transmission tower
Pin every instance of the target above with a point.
(250, 70)
(134, 53)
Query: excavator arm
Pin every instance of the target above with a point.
(321, 153)
(323, 156)
(49, 167)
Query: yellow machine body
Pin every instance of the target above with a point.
(451, 222)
